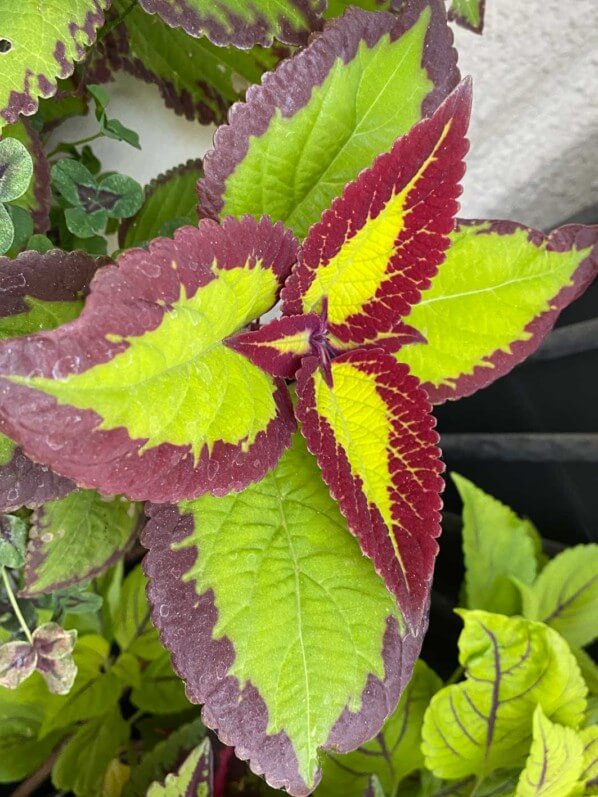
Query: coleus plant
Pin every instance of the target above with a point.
(164, 389)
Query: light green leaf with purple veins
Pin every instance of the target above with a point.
(565, 595)
(555, 764)
(43, 40)
(485, 722)
(392, 754)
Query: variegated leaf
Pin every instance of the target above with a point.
(57, 32)
(276, 621)
(343, 100)
(138, 396)
(380, 244)
(241, 22)
(369, 424)
(494, 299)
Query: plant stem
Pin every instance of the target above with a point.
(15, 606)
(458, 673)
(477, 785)
(75, 143)
(34, 781)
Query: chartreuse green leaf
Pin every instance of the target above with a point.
(276, 621)
(170, 199)
(21, 716)
(195, 77)
(497, 546)
(393, 753)
(37, 315)
(155, 765)
(589, 738)
(158, 325)
(589, 669)
(133, 629)
(498, 293)
(95, 691)
(565, 595)
(193, 777)
(241, 22)
(354, 90)
(76, 538)
(160, 690)
(485, 722)
(43, 40)
(555, 763)
(115, 778)
(82, 763)
(7, 447)
(127, 668)
(469, 13)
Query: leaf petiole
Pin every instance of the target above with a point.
(15, 606)
(79, 143)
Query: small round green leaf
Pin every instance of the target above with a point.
(128, 193)
(7, 231)
(16, 169)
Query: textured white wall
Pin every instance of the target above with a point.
(534, 153)
(534, 134)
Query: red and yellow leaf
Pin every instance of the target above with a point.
(497, 295)
(369, 424)
(379, 245)
(139, 395)
(279, 347)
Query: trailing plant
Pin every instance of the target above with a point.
(247, 386)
